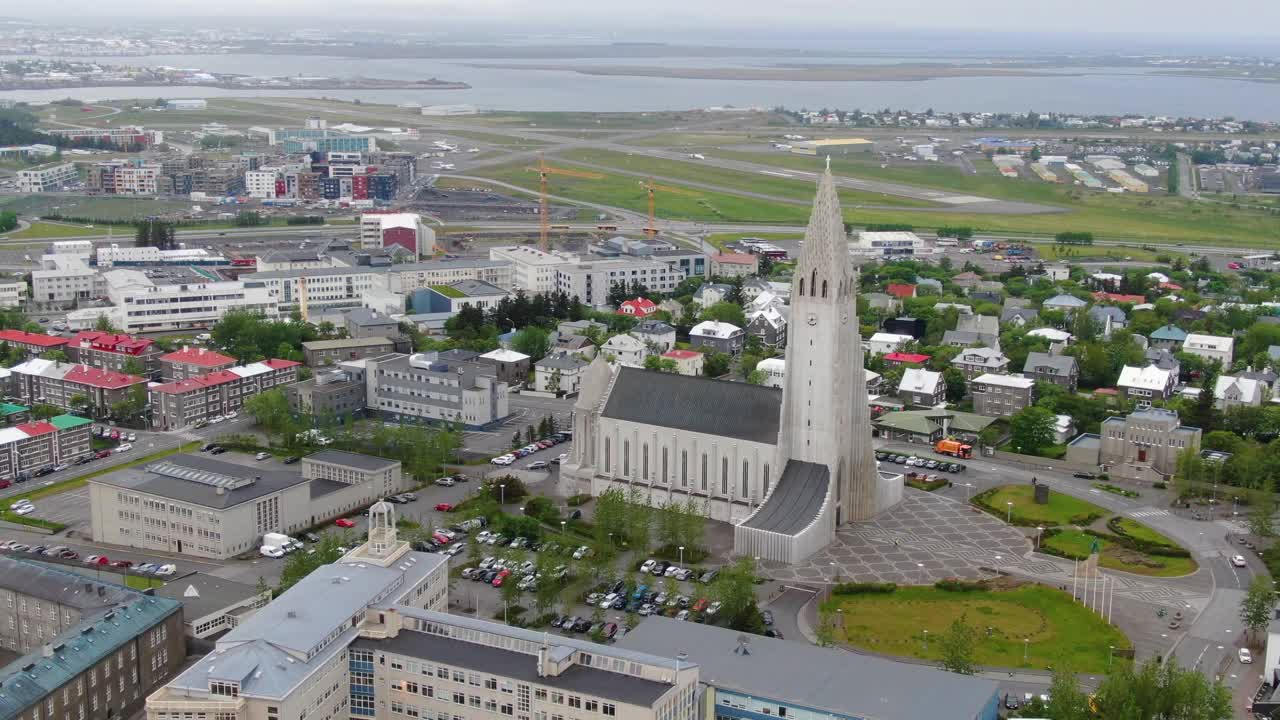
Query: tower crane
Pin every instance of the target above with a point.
(651, 187)
(544, 214)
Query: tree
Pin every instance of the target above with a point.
(1263, 510)
(955, 384)
(553, 384)
(957, 645)
(726, 312)
(132, 366)
(1031, 430)
(1158, 691)
(661, 364)
(44, 411)
(734, 589)
(103, 324)
(1066, 700)
(58, 356)
(79, 402)
(271, 411)
(716, 363)
(515, 440)
(532, 341)
(1257, 604)
(1203, 414)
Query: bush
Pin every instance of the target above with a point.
(576, 500)
(513, 489)
(920, 483)
(1117, 490)
(542, 508)
(1146, 546)
(864, 588)
(1159, 485)
(958, 585)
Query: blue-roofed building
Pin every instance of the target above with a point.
(1169, 337)
(112, 644)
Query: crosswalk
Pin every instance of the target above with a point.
(1148, 512)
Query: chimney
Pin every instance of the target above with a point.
(48, 650)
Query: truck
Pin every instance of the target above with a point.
(282, 541)
(954, 448)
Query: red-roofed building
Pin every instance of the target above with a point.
(639, 308)
(901, 358)
(31, 342)
(1118, 298)
(203, 398)
(192, 361)
(731, 265)
(53, 383)
(28, 447)
(688, 362)
(40, 427)
(900, 290)
(1173, 287)
(110, 351)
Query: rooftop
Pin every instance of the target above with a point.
(99, 378)
(18, 336)
(345, 343)
(504, 356)
(202, 594)
(198, 356)
(795, 502)
(1013, 381)
(247, 482)
(696, 404)
(350, 459)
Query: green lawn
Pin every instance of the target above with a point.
(1061, 632)
(43, 230)
(1116, 557)
(1138, 531)
(1149, 218)
(1134, 253)
(1062, 509)
(504, 141)
(799, 189)
(10, 516)
(118, 209)
(721, 239)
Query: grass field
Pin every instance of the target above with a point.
(1138, 531)
(120, 209)
(1060, 510)
(721, 239)
(1060, 631)
(1052, 251)
(1154, 218)
(1117, 557)
(683, 204)
(45, 230)
(799, 190)
(691, 141)
(507, 142)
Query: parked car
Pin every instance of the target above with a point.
(101, 454)
(262, 456)
(292, 459)
(126, 447)
(344, 523)
(1245, 656)
(536, 465)
(445, 482)
(444, 507)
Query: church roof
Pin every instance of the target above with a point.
(696, 404)
(796, 500)
(594, 382)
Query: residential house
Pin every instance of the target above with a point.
(884, 343)
(192, 362)
(1001, 395)
(921, 388)
(511, 367)
(1108, 319)
(581, 327)
(753, 287)
(928, 286)
(1146, 384)
(1053, 335)
(1065, 303)
(1231, 392)
(575, 344)
(966, 280)
(638, 308)
(1163, 359)
(882, 301)
(981, 361)
(901, 358)
(709, 294)
(688, 362)
(901, 290)
(717, 335)
(559, 373)
(1019, 317)
(770, 325)
(1057, 272)
(1061, 370)
(660, 336)
(732, 265)
(958, 307)
(974, 330)
(626, 350)
(1210, 347)
(1169, 337)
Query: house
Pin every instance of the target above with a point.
(1145, 444)
(575, 344)
(751, 287)
(930, 426)
(1146, 384)
(1108, 318)
(639, 307)
(1053, 335)
(1231, 392)
(1119, 298)
(914, 327)
(688, 362)
(882, 301)
(1001, 395)
(1057, 272)
(966, 280)
(1163, 359)
(875, 381)
(929, 286)
(1063, 428)
(901, 358)
(511, 367)
(581, 327)
(1169, 337)
(1061, 370)
(1210, 347)
(558, 373)
(659, 336)
(901, 290)
(770, 325)
(988, 289)
(709, 294)
(986, 296)
(765, 301)
(921, 388)
(718, 335)
(973, 331)
(958, 307)
(1064, 303)
(1018, 316)
(884, 343)
(980, 361)
(733, 265)
(626, 350)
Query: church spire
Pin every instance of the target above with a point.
(822, 270)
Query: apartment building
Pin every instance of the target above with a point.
(47, 178)
(332, 393)
(559, 373)
(532, 269)
(1061, 370)
(453, 297)
(980, 361)
(140, 305)
(1144, 445)
(111, 351)
(590, 282)
(71, 386)
(65, 279)
(204, 506)
(363, 323)
(321, 353)
(125, 137)
(405, 230)
(30, 446)
(688, 263)
(435, 386)
(192, 362)
(32, 343)
(1001, 395)
(334, 287)
(183, 403)
(85, 649)
(13, 293)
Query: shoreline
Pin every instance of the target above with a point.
(846, 73)
(352, 84)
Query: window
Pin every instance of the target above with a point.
(684, 468)
(626, 457)
(575, 702)
(539, 693)
(745, 473)
(593, 706)
(608, 708)
(765, 481)
(491, 683)
(644, 462)
(704, 472)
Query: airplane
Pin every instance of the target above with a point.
(473, 150)
(697, 156)
(781, 146)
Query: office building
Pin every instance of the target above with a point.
(889, 244)
(405, 230)
(435, 386)
(325, 288)
(293, 658)
(322, 353)
(65, 279)
(189, 362)
(88, 649)
(689, 263)
(591, 282)
(405, 278)
(183, 403)
(331, 393)
(47, 178)
(204, 506)
(532, 270)
(140, 305)
(453, 297)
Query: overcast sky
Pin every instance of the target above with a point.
(1183, 17)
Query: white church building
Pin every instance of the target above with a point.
(785, 466)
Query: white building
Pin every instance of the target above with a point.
(532, 270)
(82, 249)
(12, 293)
(1210, 347)
(774, 371)
(47, 178)
(1229, 392)
(407, 230)
(336, 287)
(64, 279)
(889, 244)
(590, 282)
(405, 278)
(147, 255)
(139, 305)
(261, 183)
(453, 297)
(883, 343)
(626, 350)
(186, 104)
(559, 373)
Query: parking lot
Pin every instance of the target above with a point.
(525, 411)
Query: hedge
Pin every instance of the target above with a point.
(957, 585)
(864, 588)
(576, 500)
(1146, 546)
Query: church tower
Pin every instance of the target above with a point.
(825, 419)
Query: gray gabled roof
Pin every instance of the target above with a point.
(696, 404)
(202, 594)
(561, 361)
(1064, 363)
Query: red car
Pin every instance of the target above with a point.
(122, 564)
(444, 507)
(1233, 266)
(700, 605)
(6, 483)
(101, 454)
(344, 523)
(442, 539)
(497, 581)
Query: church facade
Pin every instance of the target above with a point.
(786, 467)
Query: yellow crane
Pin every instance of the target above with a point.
(544, 216)
(651, 187)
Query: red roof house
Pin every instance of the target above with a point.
(198, 356)
(1119, 298)
(99, 378)
(18, 337)
(900, 290)
(640, 307)
(901, 358)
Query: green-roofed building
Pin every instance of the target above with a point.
(67, 422)
(13, 413)
(930, 426)
(88, 637)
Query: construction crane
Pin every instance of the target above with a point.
(650, 187)
(544, 215)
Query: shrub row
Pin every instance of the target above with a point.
(1133, 543)
(1117, 490)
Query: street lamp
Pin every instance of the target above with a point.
(1111, 651)
(998, 559)
(968, 490)
(1026, 643)
(502, 494)
(562, 523)
(1039, 530)
(926, 641)
(1008, 516)
(921, 566)
(681, 556)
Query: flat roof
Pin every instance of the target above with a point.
(140, 479)
(825, 679)
(350, 459)
(346, 343)
(202, 594)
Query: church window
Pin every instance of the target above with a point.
(684, 468)
(644, 462)
(724, 476)
(764, 479)
(745, 474)
(626, 457)
(607, 466)
(664, 466)
(813, 281)
(824, 288)
(802, 286)
(704, 472)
